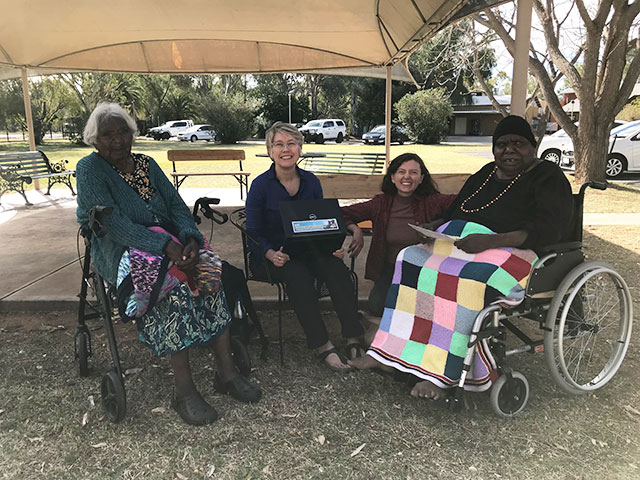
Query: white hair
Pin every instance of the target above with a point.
(102, 113)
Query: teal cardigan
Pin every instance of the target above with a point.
(99, 184)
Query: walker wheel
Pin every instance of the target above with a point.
(240, 356)
(509, 397)
(82, 352)
(114, 399)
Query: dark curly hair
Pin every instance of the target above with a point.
(427, 187)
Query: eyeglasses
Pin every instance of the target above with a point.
(281, 145)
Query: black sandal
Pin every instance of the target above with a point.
(359, 350)
(239, 387)
(323, 358)
(194, 410)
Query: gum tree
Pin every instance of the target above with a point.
(607, 48)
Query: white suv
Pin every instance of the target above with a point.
(169, 129)
(324, 129)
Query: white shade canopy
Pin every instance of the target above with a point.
(216, 36)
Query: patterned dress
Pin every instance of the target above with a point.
(181, 319)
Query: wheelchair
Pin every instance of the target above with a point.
(584, 311)
(104, 306)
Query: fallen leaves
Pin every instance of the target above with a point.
(357, 450)
(158, 410)
(320, 439)
(632, 413)
(99, 445)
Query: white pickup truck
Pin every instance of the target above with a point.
(169, 129)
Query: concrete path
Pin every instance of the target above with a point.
(39, 262)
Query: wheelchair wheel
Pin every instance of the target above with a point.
(114, 399)
(82, 353)
(240, 356)
(588, 327)
(508, 398)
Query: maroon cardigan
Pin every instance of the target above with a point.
(378, 210)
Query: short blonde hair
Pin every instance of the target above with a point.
(284, 128)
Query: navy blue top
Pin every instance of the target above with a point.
(263, 221)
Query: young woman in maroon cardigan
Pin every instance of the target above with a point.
(409, 196)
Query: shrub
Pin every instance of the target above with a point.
(631, 111)
(425, 114)
(232, 118)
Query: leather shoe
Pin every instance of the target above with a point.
(239, 387)
(194, 410)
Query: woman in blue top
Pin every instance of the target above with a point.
(141, 196)
(285, 181)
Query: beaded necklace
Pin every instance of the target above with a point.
(474, 210)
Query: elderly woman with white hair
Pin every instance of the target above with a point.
(149, 216)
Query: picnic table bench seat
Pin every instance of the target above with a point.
(342, 162)
(213, 156)
(20, 168)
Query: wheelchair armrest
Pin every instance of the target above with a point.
(560, 247)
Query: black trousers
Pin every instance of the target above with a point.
(299, 275)
(378, 294)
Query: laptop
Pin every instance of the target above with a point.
(312, 226)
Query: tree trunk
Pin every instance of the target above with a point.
(591, 150)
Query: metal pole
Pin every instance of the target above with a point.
(29, 117)
(521, 58)
(289, 107)
(387, 119)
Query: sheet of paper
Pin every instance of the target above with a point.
(431, 234)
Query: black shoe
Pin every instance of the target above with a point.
(239, 387)
(194, 410)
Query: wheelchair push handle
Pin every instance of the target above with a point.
(97, 215)
(204, 205)
(593, 184)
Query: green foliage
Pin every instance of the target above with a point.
(272, 92)
(231, 116)
(426, 115)
(631, 111)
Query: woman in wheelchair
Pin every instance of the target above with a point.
(285, 181)
(151, 231)
(504, 213)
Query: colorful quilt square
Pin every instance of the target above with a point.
(427, 280)
(470, 227)
(413, 352)
(446, 286)
(495, 256)
(387, 318)
(452, 266)
(410, 274)
(464, 319)
(424, 305)
(480, 272)
(453, 367)
(434, 359)
(501, 281)
(390, 344)
(442, 248)
(421, 330)
(392, 295)
(444, 313)
(414, 254)
(406, 300)
(459, 343)
(517, 267)
(453, 227)
(401, 324)
(434, 261)
(440, 337)
(471, 294)
(462, 255)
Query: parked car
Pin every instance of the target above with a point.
(198, 132)
(624, 151)
(169, 129)
(377, 135)
(552, 146)
(324, 129)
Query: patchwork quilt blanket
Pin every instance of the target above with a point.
(436, 294)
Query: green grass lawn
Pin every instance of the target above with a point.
(449, 157)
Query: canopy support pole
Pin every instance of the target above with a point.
(28, 116)
(521, 58)
(387, 118)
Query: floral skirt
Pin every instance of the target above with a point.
(182, 320)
